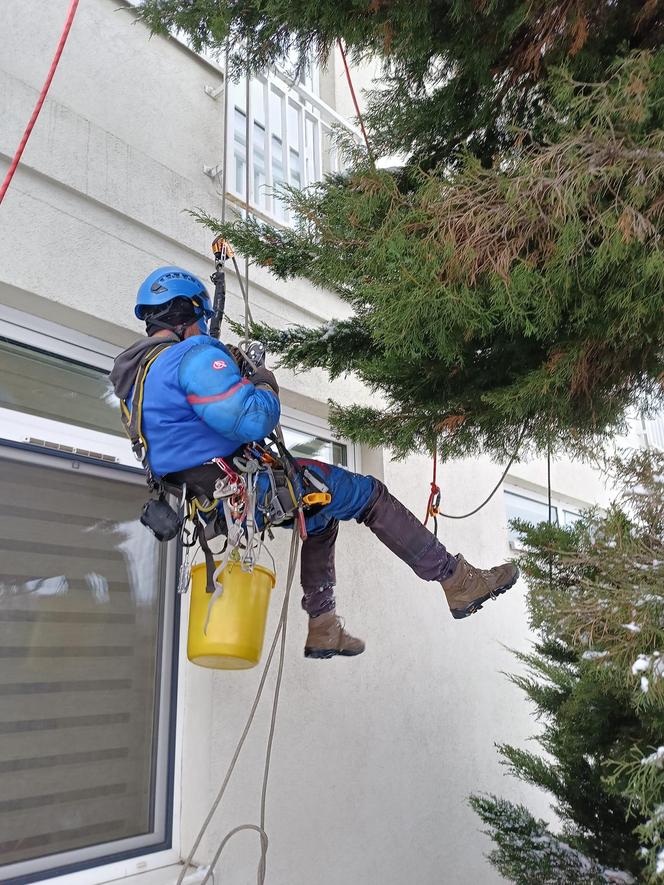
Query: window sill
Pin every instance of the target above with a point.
(162, 876)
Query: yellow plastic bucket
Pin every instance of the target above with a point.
(236, 629)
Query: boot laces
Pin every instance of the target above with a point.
(472, 572)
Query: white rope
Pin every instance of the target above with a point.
(279, 633)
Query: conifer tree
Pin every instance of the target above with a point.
(508, 281)
(596, 680)
(456, 72)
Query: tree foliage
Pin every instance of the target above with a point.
(596, 678)
(456, 72)
(510, 275)
(483, 299)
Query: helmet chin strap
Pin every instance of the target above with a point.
(178, 329)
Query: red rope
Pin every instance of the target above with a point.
(358, 112)
(40, 100)
(433, 503)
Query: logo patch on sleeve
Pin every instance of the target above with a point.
(219, 364)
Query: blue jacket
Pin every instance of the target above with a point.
(197, 406)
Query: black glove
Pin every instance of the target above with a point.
(263, 377)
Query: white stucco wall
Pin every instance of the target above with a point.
(374, 757)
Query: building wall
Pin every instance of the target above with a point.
(374, 757)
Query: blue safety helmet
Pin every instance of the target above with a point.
(166, 283)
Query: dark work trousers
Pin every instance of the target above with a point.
(368, 501)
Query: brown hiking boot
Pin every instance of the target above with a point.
(327, 638)
(470, 587)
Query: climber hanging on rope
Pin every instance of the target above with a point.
(200, 411)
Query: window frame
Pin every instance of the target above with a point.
(560, 502)
(297, 420)
(158, 848)
(49, 338)
(53, 865)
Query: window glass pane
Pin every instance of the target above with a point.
(294, 158)
(339, 454)
(305, 445)
(528, 509)
(328, 152)
(277, 108)
(81, 616)
(654, 431)
(311, 150)
(258, 102)
(570, 517)
(258, 148)
(258, 143)
(285, 128)
(41, 384)
(239, 149)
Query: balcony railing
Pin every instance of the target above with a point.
(290, 140)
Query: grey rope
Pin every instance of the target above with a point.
(245, 297)
(279, 633)
(224, 160)
(245, 290)
(495, 488)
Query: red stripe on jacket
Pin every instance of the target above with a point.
(199, 400)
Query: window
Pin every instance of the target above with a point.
(653, 431)
(534, 508)
(290, 139)
(306, 445)
(87, 623)
(308, 437)
(56, 403)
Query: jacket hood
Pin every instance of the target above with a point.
(125, 367)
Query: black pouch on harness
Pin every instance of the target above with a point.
(161, 519)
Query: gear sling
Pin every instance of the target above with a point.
(229, 598)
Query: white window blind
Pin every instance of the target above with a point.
(85, 652)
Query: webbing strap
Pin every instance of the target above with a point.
(132, 420)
